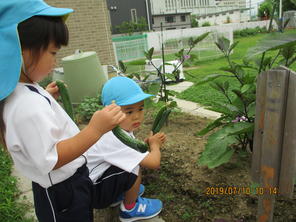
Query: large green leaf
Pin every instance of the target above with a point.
(242, 127)
(223, 158)
(217, 149)
(149, 53)
(273, 41)
(223, 44)
(218, 122)
(227, 108)
(200, 38)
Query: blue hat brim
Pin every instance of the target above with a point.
(11, 14)
(51, 11)
(135, 99)
(10, 56)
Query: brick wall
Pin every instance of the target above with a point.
(89, 28)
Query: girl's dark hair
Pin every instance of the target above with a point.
(35, 34)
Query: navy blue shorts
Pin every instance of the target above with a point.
(67, 201)
(110, 185)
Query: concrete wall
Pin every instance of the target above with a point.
(89, 28)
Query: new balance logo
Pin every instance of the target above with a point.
(142, 208)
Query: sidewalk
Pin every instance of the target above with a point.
(191, 107)
(104, 215)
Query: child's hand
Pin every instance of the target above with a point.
(53, 90)
(106, 119)
(156, 140)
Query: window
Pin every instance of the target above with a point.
(134, 15)
(170, 19)
(183, 18)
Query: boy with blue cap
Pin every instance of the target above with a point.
(45, 144)
(114, 167)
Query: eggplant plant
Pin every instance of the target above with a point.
(234, 130)
(160, 88)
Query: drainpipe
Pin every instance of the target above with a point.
(148, 15)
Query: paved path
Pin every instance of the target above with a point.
(185, 106)
(191, 107)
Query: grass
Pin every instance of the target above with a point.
(204, 94)
(11, 210)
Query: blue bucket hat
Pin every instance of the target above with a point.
(12, 12)
(123, 90)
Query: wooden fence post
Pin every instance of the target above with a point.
(259, 126)
(288, 162)
(271, 152)
(274, 149)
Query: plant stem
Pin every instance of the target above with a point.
(236, 76)
(163, 66)
(261, 63)
(273, 61)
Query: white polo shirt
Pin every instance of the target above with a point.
(33, 128)
(111, 151)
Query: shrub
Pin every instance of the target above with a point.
(10, 208)
(87, 107)
(206, 24)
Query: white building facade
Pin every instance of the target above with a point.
(215, 12)
(180, 6)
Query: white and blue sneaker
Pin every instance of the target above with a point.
(120, 198)
(144, 209)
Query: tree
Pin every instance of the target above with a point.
(265, 9)
(194, 22)
(289, 5)
(130, 27)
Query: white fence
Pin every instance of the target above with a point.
(244, 25)
(176, 38)
(155, 39)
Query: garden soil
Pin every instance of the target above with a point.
(185, 187)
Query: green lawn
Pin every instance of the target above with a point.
(204, 94)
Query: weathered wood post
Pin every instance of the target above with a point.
(274, 150)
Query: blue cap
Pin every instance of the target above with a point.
(124, 91)
(12, 12)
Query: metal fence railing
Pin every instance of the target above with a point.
(130, 47)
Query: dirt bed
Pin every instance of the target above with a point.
(183, 185)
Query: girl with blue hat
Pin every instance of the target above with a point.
(115, 167)
(45, 144)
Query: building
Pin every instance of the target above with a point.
(232, 3)
(171, 21)
(89, 28)
(159, 7)
(214, 12)
(128, 10)
(223, 17)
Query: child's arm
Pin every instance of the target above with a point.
(152, 160)
(101, 122)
